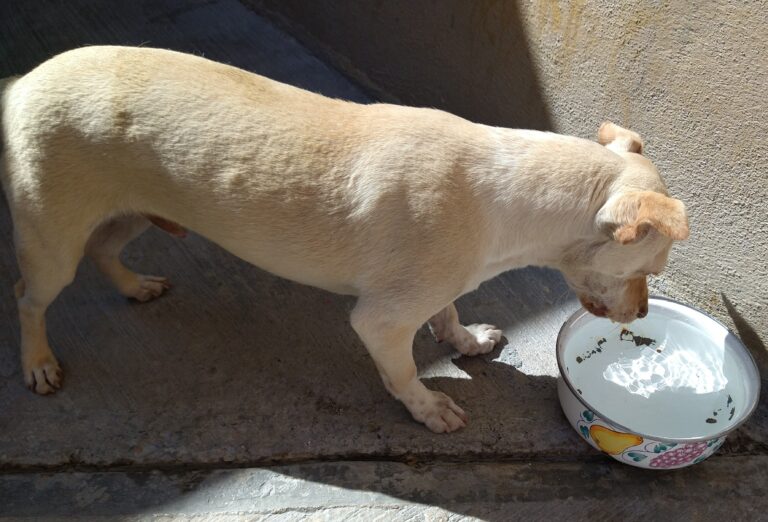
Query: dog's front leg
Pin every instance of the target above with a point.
(474, 339)
(389, 336)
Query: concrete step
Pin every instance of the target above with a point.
(349, 490)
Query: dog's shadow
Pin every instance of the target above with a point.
(237, 364)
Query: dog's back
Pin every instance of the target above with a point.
(282, 177)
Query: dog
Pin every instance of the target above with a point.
(405, 208)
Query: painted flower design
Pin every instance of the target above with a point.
(628, 447)
(679, 456)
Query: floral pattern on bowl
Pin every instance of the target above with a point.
(630, 448)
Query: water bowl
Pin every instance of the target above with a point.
(660, 393)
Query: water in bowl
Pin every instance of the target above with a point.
(671, 375)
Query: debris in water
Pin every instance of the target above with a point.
(627, 335)
(591, 351)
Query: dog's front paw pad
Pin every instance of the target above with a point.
(149, 287)
(441, 414)
(481, 339)
(45, 377)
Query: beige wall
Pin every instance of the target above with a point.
(691, 80)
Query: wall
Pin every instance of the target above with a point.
(691, 81)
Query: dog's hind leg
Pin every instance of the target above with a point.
(473, 339)
(104, 247)
(48, 260)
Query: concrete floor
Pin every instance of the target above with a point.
(241, 395)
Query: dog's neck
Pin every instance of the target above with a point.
(546, 189)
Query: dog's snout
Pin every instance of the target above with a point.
(599, 310)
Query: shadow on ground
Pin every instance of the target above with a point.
(752, 437)
(235, 368)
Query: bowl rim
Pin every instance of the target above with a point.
(751, 363)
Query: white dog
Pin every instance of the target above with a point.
(356, 199)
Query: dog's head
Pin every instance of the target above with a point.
(633, 234)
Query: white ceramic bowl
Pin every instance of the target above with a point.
(659, 393)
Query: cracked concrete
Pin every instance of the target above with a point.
(243, 396)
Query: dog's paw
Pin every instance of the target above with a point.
(439, 413)
(145, 287)
(477, 339)
(43, 377)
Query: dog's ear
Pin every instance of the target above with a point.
(618, 138)
(629, 217)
